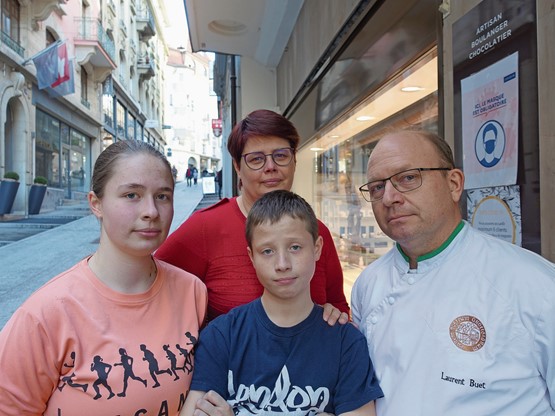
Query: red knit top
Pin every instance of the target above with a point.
(211, 244)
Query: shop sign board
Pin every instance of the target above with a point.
(488, 25)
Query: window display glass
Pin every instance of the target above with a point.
(335, 161)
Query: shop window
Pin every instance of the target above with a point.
(61, 154)
(78, 162)
(336, 160)
(47, 148)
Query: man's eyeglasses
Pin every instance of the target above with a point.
(257, 160)
(407, 180)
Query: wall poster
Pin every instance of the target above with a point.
(490, 124)
(496, 211)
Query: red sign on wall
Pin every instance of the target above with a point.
(217, 126)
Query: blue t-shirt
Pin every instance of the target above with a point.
(261, 368)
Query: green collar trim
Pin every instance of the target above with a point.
(438, 250)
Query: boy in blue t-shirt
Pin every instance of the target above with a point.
(276, 355)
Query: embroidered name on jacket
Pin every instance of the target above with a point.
(284, 398)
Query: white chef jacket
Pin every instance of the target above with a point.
(471, 331)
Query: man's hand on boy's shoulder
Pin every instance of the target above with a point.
(332, 315)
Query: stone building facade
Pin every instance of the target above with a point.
(118, 53)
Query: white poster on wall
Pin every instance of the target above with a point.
(490, 125)
(496, 211)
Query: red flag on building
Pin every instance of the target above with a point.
(63, 71)
(65, 87)
(55, 70)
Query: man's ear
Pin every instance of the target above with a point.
(95, 204)
(456, 183)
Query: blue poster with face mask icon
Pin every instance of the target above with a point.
(490, 143)
(490, 125)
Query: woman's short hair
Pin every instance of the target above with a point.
(260, 123)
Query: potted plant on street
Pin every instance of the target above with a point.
(8, 191)
(36, 194)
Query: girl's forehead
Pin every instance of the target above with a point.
(140, 166)
(138, 161)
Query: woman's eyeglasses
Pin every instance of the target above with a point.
(257, 160)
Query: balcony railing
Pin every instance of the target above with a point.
(145, 24)
(12, 44)
(145, 67)
(91, 30)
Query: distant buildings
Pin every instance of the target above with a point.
(119, 53)
(190, 107)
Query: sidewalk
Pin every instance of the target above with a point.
(27, 264)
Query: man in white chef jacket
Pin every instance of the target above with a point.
(457, 321)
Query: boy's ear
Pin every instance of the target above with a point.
(318, 246)
(249, 251)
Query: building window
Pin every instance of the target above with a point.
(50, 38)
(78, 161)
(120, 121)
(84, 89)
(47, 148)
(108, 110)
(61, 154)
(10, 19)
(131, 127)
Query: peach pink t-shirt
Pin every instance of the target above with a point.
(76, 347)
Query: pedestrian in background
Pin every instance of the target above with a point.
(457, 321)
(195, 175)
(78, 344)
(219, 182)
(189, 176)
(211, 243)
(282, 334)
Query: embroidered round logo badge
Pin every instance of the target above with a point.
(467, 333)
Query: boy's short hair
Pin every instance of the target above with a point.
(275, 205)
